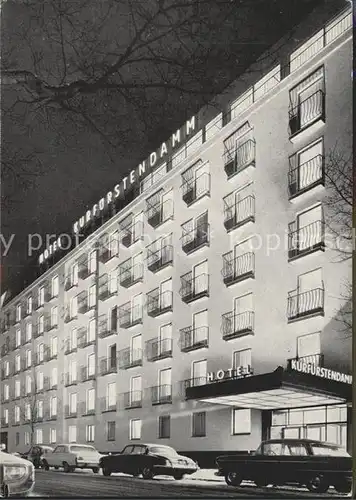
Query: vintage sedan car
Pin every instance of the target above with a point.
(149, 460)
(73, 456)
(315, 464)
(17, 476)
(36, 454)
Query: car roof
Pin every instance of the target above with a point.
(296, 440)
(74, 444)
(149, 445)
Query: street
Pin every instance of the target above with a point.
(86, 484)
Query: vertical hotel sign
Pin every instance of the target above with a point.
(135, 176)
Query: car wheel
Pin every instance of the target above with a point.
(178, 477)
(233, 479)
(95, 470)
(318, 484)
(147, 473)
(343, 487)
(66, 467)
(106, 471)
(46, 466)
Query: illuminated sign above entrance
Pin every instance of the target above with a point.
(240, 371)
(302, 367)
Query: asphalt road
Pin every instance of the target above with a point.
(86, 484)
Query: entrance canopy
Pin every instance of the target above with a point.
(274, 390)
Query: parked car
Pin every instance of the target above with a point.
(149, 460)
(36, 454)
(72, 456)
(315, 464)
(17, 475)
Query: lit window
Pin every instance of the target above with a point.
(199, 424)
(73, 403)
(18, 312)
(54, 316)
(54, 377)
(241, 421)
(55, 285)
(6, 392)
(90, 432)
(135, 428)
(17, 414)
(53, 436)
(28, 332)
(72, 433)
(17, 388)
(53, 406)
(91, 400)
(29, 305)
(39, 436)
(41, 295)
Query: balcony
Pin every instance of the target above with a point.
(87, 373)
(236, 325)
(50, 354)
(238, 160)
(159, 259)
(70, 316)
(85, 269)
(132, 399)
(192, 338)
(84, 410)
(39, 358)
(159, 213)
(131, 233)
(106, 405)
(85, 341)
(309, 112)
(131, 275)
(158, 349)
(195, 188)
(305, 240)
(161, 394)
(70, 412)
(239, 213)
(70, 379)
(105, 330)
(4, 423)
(130, 315)
(129, 358)
(5, 349)
(108, 365)
(48, 384)
(106, 289)
(83, 304)
(5, 375)
(194, 288)
(195, 238)
(109, 250)
(69, 283)
(305, 304)
(159, 302)
(239, 268)
(39, 331)
(69, 347)
(306, 176)
(49, 325)
(313, 359)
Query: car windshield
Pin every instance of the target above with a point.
(163, 450)
(329, 451)
(82, 449)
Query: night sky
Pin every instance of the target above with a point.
(75, 167)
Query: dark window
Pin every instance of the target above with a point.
(17, 438)
(164, 426)
(199, 427)
(139, 450)
(128, 450)
(111, 431)
(114, 318)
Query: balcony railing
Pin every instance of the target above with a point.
(108, 365)
(195, 238)
(306, 239)
(109, 250)
(159, 259)
(132, 399)
(70, 412)
(307, 112)
(239, 213)
(238, 268)
(130, 316)
(158, 349)
(304, 304)
(132, 275)
(128, 358)
(193, 288)
(106, 289)
(83, 305)
(194, 338)
(195, 188)
(39, 331)
(50, 354)
(159, 302)
(235, 325)
(85, 410)
(84, 271)
(70, 316)
(132, 233)
(69, 283)
(87, 373)
(106, 329)
(70, 379)
(69, 347)
(159, 213)
(4, 423)
(306, 176)
(312, 359)
(39, 358)
(106, 405)
(239, 159)
(161, 394)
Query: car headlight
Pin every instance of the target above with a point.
(15, 472)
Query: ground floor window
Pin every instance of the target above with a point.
(199, 424)
(111, 431)
(164, 426)
(135, 428)
(72, 434)
(323, 423)
(241, 421)
(90, 433)
(17, 438)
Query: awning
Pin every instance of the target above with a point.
(274, 390)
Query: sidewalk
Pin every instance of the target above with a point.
(206, 475)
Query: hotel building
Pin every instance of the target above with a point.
(180, 318)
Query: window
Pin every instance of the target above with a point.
(55, 286)
(90, 431)
(199, 372)
(17, 364)
(135, 428)
(241, 358)
(74, 307)
(40, 351)
(54, 346)
(53, 406)
(136, 348)
(52, 436)
(17, 438)
(165, 384)
(90, 400)
(196, 182)
(239, 148)
(92, 261)
(28, 358)
(111, 395)
(91, 331)
(6, 392)
(73, 403)
(72, 371)
(17, 414)
(241, 421)
(29, 305)
(92, 296)
(54, 316)
(28, 384)
(41, 295)
(199, 424)
(6, 415)
(91, 365)
(39, 436)
(41, 324)
(112, 282)
(28, 332)
(272, 449)
(164, 426)
(7, 366)
(18, 338)
(73, 338)
(40, 381)
(39, 409)
(110, 431)
(18, 312)
(72, 433)
(54, 376)
(27, 438)
(195, 233)
(17, 388)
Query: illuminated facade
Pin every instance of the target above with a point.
(169, 322)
